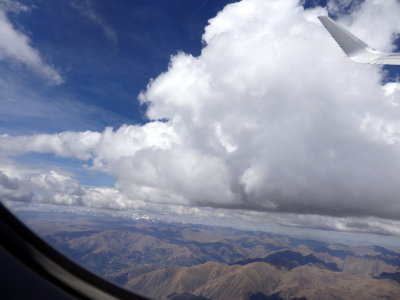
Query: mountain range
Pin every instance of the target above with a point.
(167, 260)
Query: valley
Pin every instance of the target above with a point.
(170, 260)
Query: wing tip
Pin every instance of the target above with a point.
(351, 45)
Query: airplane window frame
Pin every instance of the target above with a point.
(23, 244)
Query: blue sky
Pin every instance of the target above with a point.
(216, 109)
(102, 74)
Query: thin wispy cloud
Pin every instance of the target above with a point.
(15, 46)
(87, 10)
(12, 6)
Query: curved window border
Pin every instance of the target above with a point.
(53, 266)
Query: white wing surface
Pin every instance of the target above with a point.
(355, 48)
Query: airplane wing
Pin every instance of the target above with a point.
(355, 48)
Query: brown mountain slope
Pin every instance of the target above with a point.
(161, 283)
(358, 265)
(365, 266)
(160, 259)
(219, 281)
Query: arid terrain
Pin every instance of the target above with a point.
(166, 260)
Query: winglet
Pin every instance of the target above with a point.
(354, 48)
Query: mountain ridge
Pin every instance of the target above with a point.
(186, 261)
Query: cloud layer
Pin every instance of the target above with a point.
(270, 117)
